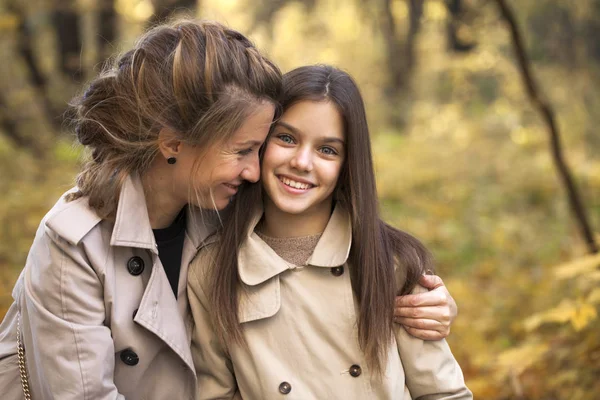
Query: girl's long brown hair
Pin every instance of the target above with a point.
(199, 79)
(376, 246)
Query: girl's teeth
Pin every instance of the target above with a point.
(295, 184)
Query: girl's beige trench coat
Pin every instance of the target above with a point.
(99, 318)
(299, 323)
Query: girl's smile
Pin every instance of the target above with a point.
(296, 185)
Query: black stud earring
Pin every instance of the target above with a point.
(171, 160)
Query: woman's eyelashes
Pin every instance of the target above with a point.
(245, 152)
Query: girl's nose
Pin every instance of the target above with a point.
(302, 160)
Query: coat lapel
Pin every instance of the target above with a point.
(159, 311)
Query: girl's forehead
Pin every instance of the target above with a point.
(310, 115)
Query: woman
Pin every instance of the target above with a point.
(302, 309)
(174, 126)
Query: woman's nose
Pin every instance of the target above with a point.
(251, 172)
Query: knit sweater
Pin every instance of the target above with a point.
(294, 250)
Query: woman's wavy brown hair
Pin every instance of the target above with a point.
(376, 246)
(200, 79)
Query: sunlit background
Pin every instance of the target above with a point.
(463, 156)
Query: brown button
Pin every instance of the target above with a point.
(355, 370)
(285, 388)
(135, 265)
(337, 271)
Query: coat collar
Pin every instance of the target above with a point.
(132, 223)
(257, 262)
(75, 219)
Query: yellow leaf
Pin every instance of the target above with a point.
(594, 296)
(520, 358)
(584, 314)
(594, 276)
(561, 314)
(577, 267)
(9, 22)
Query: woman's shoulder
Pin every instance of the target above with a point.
(71, 220)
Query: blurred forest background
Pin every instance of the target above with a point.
(464, 156)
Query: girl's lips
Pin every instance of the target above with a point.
(293, 182)
(293, 190)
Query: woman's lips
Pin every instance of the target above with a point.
(231, 188)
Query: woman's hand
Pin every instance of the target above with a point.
(427, 315)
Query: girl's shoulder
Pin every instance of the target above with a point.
(205, 259)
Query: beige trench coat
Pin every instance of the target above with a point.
(99, 317)
(300, 326)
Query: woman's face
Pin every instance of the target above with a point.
(224, 167)
(304, 157)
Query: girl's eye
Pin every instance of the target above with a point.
(330, 151)
(285, 138)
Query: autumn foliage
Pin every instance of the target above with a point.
(462, 157)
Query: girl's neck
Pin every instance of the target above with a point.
(162, 203)
(279, 224)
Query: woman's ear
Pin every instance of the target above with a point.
(169, 144)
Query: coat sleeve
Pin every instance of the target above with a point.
(70, 351)
(214, 370)
(430, 368)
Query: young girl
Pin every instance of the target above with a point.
(302, 309)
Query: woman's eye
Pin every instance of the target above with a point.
(245, 152)
(330, 151)
(285, 138)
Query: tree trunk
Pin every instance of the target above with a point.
(107, 28)
(66, 22)
(543, 107)
(400, 54)
(454, 23)
(163, 9)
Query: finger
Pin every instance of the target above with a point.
(437, 297)
(441, 314)
(423, 324)
(431, 281)
(426, 334)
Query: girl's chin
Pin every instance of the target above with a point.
(288, 207)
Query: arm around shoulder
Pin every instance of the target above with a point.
(430, 368)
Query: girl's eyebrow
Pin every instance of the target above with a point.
(288, 126)
(334, 140)
(297, 131)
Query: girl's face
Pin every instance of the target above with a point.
(303, 158)
(224, 167)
